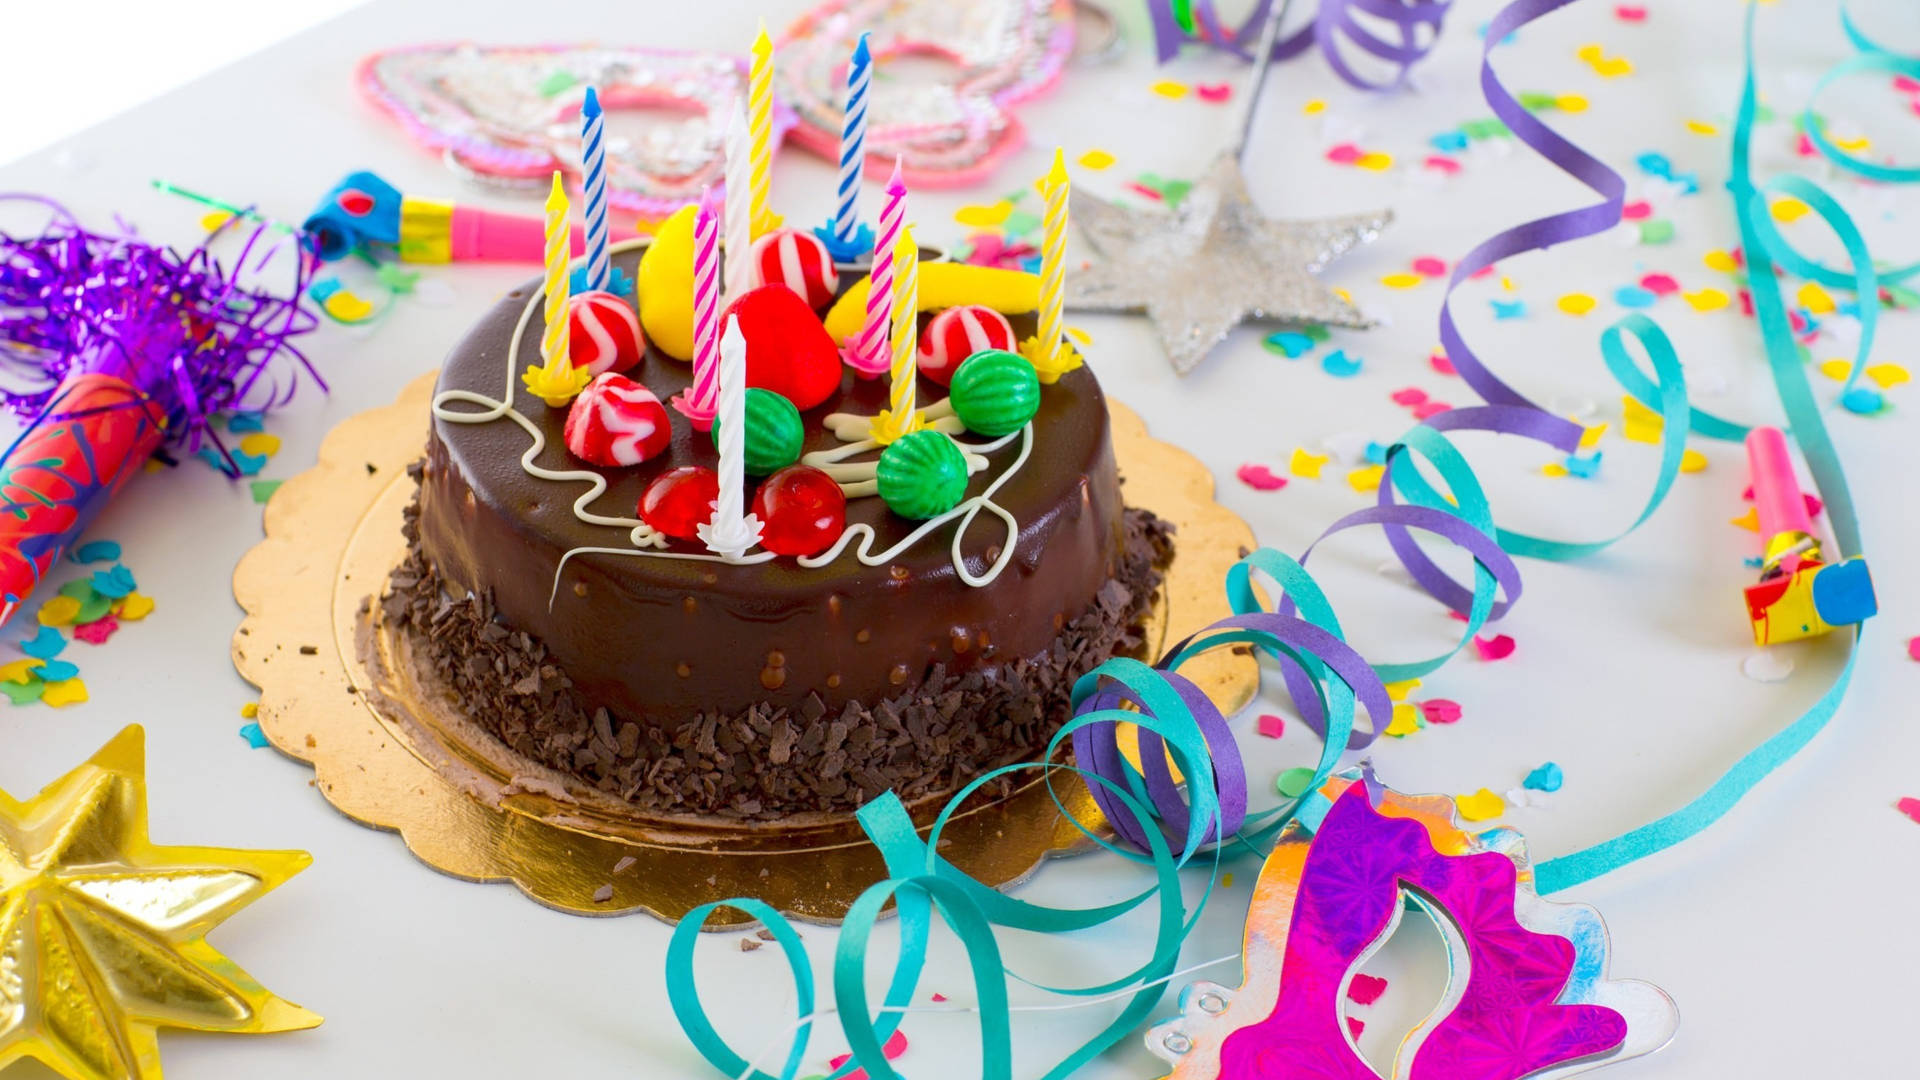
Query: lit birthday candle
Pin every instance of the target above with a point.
(844, 236)
(900, 417)
(593, 166)
(732, 531)
(1051, 356)
(868, 354)
(760, 128)
(698, 402)
(739, 208)
(556, 381)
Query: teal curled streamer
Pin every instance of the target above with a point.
(1326, 681)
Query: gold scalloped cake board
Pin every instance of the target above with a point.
(337, 692)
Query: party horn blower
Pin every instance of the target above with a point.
(135, 347)
(365, 213)
(1798, 595)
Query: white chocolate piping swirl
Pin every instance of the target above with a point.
(856, 479)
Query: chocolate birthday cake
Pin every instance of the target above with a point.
(905, 623)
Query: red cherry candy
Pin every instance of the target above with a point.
(801, 511)
(681, 500)
(788, 351)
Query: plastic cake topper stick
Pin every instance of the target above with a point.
(1527, 992)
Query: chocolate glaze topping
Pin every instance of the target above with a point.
(670, 644)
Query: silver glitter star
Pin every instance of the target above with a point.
(1214, 262)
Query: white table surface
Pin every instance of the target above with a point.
(1784, 932)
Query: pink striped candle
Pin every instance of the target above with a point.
(699, 402)
(868, 353)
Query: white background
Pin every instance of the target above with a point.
(1784, 932)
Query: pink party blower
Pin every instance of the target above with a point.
(365, 213)
(1798, 595)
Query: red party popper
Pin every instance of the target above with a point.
(111, 349)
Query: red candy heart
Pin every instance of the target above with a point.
(788, 351)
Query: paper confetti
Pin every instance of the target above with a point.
(1405, 721)
(1338, 364)
(1692, 461)
(1167, 88)
(1293, 783)
(98, 631)
(135, 607)
(1260, 478)
(1788, 209)
(1482, 805)
(54, 671)
(1366, 479)
(1292, 343)
(1909, 806)
(254, 736)
(1575, 303)
(58, 611)
(1095, 160)
(1545, 778)
(1398, 691)
(263, 490)
(25, 693)
(1707, 299)
(1888, 375)
(1440, 711)
(1402, 280)
(983, 217)
(44, 645)
(1607, 67)
(1642, 424)
(1366, 989)
(96, 551)
(1306, 464)
(1497, 647)
(70, 692)
(1270, 726)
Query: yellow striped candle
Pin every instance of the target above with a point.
(1050, 355)
(760, 128)
(900, 418)
(556, 381)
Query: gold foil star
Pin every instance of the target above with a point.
(103, 934)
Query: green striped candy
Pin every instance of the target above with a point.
(922, 475)
(995, 392)
(774, 434)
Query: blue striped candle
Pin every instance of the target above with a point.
(593, 164)
(844, 236)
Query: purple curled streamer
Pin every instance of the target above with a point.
(1506, 411)
(1096, 746)
(1415, 23)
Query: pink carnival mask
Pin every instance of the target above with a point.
(947, 133)
(511, 116)
(1527, 993)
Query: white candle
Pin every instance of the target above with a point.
(738, 257)
(732, 531)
